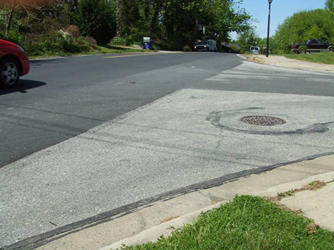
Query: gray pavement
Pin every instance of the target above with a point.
(254, 77)
(63, 97)
(148, 223)
(190, 140)
(187, 139)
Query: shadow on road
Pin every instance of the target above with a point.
(115, 47)
(22, 87)
(39, 62)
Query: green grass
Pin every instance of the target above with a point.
(100, 49)
(326, 58)
(246, 223)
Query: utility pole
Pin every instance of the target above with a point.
(269, 1)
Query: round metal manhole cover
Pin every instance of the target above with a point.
(263, 120)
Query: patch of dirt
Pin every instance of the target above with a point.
(169, 219)
(313, 186)
(312, 228)
(291, 63)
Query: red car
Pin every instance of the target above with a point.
(13, 63)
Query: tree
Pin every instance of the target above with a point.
(330, 5)
(316, 24)
(248, 38)
(174, 22)
(97, 18)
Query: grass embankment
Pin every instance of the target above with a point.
(247, 223)
(326, 58)
(99, 49)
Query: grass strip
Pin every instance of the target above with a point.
(325, 58)
(246, 223)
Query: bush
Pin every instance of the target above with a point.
(118, 41)
(75, 45)
(54, 42)
(186, 48)
(73, 30)
(91, 41)
(12, 36)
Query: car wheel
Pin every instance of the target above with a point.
(9, 72)
(331, 50)
(303, 51)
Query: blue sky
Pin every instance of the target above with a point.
(280, 10)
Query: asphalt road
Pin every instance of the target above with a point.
(64, 97)
(190, 137)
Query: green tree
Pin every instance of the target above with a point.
(248, 38)
(97, 18)
(174, 23)
(330, 5)
(316, 24)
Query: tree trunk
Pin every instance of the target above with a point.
(10, 19)
(154, 18)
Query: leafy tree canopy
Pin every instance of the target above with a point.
(330, 5)
(176, 21)
(315, 24)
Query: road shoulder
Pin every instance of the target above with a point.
(282, 61)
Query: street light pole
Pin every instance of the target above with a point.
(269, 1)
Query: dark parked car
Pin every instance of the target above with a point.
(13, 63)
(312, 45)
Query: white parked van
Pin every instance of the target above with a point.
(209, 45)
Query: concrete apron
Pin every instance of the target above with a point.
(188, 141)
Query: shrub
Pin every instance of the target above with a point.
(73, 30)
(13, 36)
(186, 48)
(75, 45)
(91, 41)
(118, 41)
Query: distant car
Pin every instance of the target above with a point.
(254, 50)
(13, 63)
(209, 45)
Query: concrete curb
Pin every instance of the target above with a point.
(154, 233)
(165, 229)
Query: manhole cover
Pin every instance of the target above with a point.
(262, 120)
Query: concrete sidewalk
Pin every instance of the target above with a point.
(149, 223)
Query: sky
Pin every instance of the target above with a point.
(280, 10)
